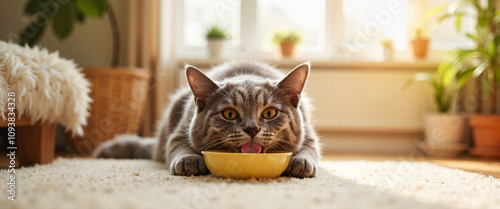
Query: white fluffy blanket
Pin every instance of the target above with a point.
(48, 88)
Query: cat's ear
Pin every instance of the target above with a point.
(293, 84)
(201, 85)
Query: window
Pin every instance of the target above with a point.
(327, 27)
(305, 17)
(445, 35)
(367, 22)
(198, 15)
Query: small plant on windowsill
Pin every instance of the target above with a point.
(287, 42)
(387, 49)
(419, 44)
(215, 39)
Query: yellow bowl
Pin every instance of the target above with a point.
(226, 164)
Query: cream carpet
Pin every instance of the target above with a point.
(91, 183)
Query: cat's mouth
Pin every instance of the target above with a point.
(251, 147)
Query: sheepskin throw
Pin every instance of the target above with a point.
(47, 87)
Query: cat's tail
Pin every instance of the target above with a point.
(127, 146)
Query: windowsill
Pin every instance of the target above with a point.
(321, 63)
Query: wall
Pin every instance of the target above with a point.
(90, 44)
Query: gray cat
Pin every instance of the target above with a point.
(244, 107)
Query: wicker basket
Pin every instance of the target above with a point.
(119, 96)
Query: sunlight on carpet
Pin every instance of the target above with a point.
(98, 183)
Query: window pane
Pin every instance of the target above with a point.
(201, 14)
(306, 17)
(445, 35)
(367, 22)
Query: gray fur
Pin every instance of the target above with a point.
(193, 122)
(127, 146)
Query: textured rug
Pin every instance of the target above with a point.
(91, 183)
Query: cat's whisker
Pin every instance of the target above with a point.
(282, 145)
(212, 144)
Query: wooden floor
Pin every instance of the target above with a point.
(485, 167)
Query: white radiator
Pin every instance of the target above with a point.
(371, 100)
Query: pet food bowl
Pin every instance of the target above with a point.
(226, 164)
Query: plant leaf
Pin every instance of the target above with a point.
(422, 77)
(486, 84)
(448, 76)
(475, 3)
(63, 21)
(496, 17)
(496, 41)
(34, 6)
(482, 20)
(92, 8)
(32, 32)
(492, 48)
(453, 7)
(463, 76)
(472, 37)
(458, 23)
(496, 71)
(431, 13)
(429, 79)
(480, 69)
(443, 17)
(80, 16)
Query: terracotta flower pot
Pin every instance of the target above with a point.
(486, 129)
(287, 48)
(420, 47)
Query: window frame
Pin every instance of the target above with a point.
(334, 49)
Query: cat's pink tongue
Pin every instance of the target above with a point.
(251, 147)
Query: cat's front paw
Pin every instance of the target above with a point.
(301, 167)
(188, 165)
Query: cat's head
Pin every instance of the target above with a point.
(247, 113)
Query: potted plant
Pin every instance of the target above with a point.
(215, 39)
(387, 49)
(286, 42)
(483, 62)
(443, 129)
(118, 93)
(419, 44)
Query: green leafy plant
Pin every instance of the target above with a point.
(449, 79)
(63, 15)
(215, 32)
(482, 61)
(281, 37)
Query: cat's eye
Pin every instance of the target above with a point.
(269, 113)
(230, 114)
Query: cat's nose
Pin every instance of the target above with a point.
(252, 131)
